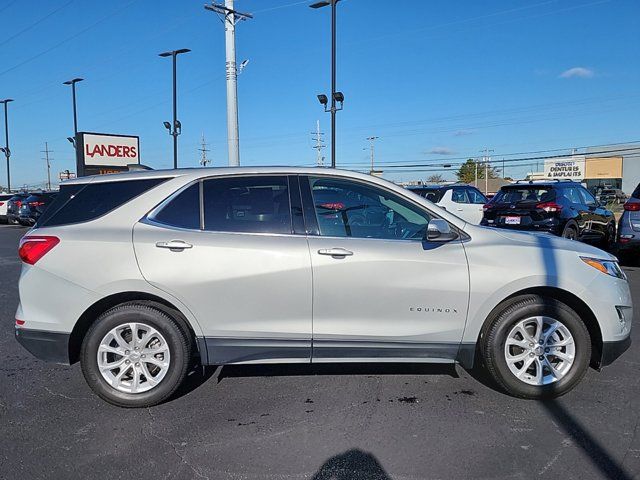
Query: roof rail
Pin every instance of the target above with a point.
(545, 181)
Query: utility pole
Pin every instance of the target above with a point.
(319, 144)
(204, 161)
(230, 17)
(335, 96)
(371, 140)
(46, 158)
(486, 159)
(6, 150)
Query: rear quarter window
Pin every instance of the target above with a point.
(636, 193)
(77, 203)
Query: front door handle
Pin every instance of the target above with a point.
(335, 252)
(174, 245)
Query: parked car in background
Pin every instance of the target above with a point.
(629, 228)
(4, 198)
(612, 195)
(564, 208)
(13, 207)
(462, 200)
(147, 271)
(33, 206)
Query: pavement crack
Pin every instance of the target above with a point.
(56, 394)
(173, 446)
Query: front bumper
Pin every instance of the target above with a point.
(48, 346)
(612, 350)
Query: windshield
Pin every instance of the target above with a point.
(524, 194)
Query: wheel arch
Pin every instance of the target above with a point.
(91, 314)
(572, 301)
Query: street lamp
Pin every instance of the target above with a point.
(73, 82)
(335, 96)
(5, 149)
(177, 127)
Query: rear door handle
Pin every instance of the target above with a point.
(335, 252)
(174, 245)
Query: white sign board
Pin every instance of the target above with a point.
(110, 150)
(570, 168)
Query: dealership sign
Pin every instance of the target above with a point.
(565, 168)
(100, 153)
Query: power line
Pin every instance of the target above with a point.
(36, 23)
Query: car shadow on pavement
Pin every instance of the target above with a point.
(283, 370)
(353, 464)
(601, 459)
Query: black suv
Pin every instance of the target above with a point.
(13, 207)
(563, 208)
(33, 206)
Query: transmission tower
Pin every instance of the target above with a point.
(317, 136)
(204, 161)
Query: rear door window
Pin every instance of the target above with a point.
(78, 203)
(572, 194)
(251, 204)
(587, 198)
(182, 210)
(459, 195)
(475, 196)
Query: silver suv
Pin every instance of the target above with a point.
(139, 275)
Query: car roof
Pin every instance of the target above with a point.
(545, 184)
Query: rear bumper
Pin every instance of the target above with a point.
(48, 346)
(612, 350)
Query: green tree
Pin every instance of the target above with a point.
(467, 171)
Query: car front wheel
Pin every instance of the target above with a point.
(135, 355)
(537, 347)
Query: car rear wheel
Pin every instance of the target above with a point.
(537, 347)
(570, 232)
(135, 355)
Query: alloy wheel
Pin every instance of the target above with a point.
(133, 357)
(539, 350)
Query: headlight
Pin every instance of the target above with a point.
(610, 267)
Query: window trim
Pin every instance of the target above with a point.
(148, 218)
(307, 198)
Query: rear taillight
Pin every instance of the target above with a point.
(36, 204)
(33, 248)
(549, 207)
(18, 203)
(486, 207)
(1, 203)
(632, 207)
(19, 323)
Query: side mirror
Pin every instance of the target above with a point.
(439, 230)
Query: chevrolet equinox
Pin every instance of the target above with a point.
(138, 275)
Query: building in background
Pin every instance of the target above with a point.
(598, 168)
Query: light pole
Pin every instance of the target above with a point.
(177, 126)
(5, 149)
(75, 112)
(335, 96)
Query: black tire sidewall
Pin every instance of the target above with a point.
(530, 307)
(570, 226)
(178, 350)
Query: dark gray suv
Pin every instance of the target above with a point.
(629, 227)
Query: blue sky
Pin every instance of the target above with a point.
(435, 80)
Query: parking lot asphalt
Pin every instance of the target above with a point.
(352, 422)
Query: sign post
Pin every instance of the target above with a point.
(103, 153)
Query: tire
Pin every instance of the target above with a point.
(162, 355)
(570, 232)
(609, 240)
(513, 377)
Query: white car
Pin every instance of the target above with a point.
(136, 274)
(4, 198)
(462, 200)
